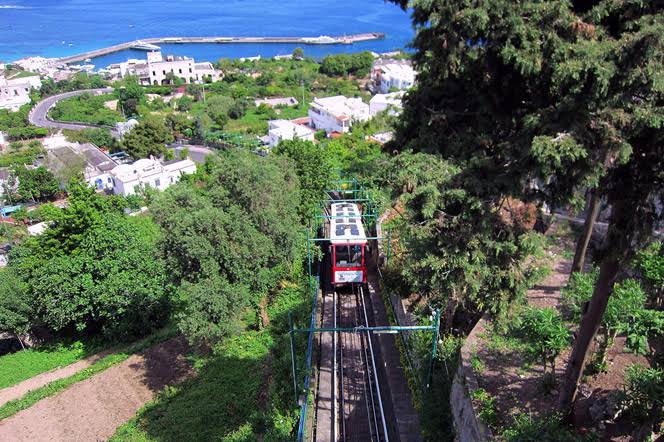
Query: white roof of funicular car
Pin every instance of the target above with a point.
(346, 224)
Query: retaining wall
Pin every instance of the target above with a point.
(467, 423)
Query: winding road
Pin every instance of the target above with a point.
(38, 116)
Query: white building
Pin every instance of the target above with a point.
(279, 130)
(124, 128)
(15, 92)
(387, 74)
(157, 69)
(382, 102)
(128, 179)
(337, 114)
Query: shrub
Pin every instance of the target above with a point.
(544, 429)
(643, 397)
(626, 303)
(544, 333)
(486, 406)
(643, 325)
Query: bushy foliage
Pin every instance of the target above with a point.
(626, 311)
(24, 155)
(643, 396)
(94, 269)
(36, 184)
(16, 309)
(650, 263)
(544, 333)
(149, 137)
(80, 80)
(17, 126)
(546, 429)
(100, 137)
(314, 170)
(86, 108)
(228, 237)
(347, 64)
(130, 95)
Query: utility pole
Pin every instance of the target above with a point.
(302, 84)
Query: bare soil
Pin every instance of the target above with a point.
(91, 410)
(517, 386)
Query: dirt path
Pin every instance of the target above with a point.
(19, 390)
(91, 410)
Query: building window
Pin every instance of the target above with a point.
(157, 182)
(154, 73)
(164, 71)
(190, 71)
(180, 71)
(171, 180)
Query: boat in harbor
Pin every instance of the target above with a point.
(142, 46)
(321, 40)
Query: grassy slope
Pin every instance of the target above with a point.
(13, 407)
(242, 391)
(22, 365)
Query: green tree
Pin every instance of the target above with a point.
(130, 94)
(218, 108)
(37, 184)
(313, 166)
(573, 73)
(95, 269)
(149, 137)
(16, 305)
(228, 239)
(298, 53)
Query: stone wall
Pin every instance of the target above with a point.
(467, 423)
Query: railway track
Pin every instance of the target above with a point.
(361, 412)
(349, 404)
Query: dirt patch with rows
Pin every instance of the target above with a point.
(92, 409)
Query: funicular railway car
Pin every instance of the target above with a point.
(347, 244)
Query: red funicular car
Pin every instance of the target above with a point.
(347, 244)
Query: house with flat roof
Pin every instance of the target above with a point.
(159, 69)
(65, 158)
(130, 179)
(15, 90)
(337, 114)
(389, 74)
(279, 130)
(386, 102)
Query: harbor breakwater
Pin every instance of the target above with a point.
(321, 40)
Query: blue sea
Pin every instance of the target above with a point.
(55, 28)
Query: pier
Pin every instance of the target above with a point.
(321, 40)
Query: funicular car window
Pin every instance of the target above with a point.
(349, 256)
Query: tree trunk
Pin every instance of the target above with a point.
(582, 244)
(20, 341)
(450, 310)
(590, 323)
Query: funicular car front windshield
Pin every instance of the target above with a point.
(349, 255)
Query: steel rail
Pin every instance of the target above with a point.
(335, 412)
(367, 356)
(361, 329)
(375, 372)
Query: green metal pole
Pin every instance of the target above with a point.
(292, 354)
(389, 244)
(434, 347)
